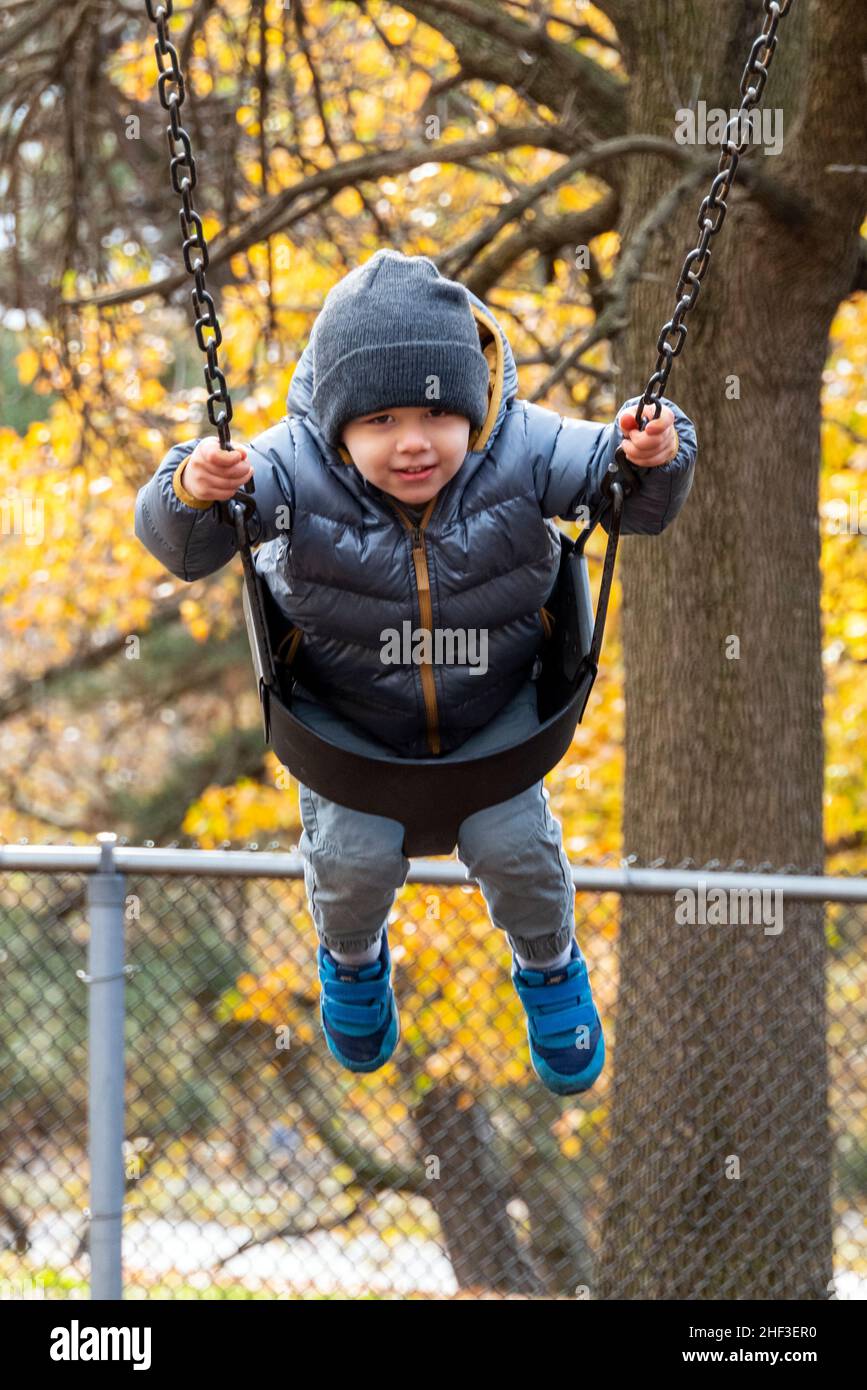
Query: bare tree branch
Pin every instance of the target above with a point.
(487, 41)
(24, 691)
(615, 316)
(275, 217)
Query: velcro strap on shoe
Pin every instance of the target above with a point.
(354, 1005)
(547, 996)
(354, 1018)
(355, 991)
(564, 1020)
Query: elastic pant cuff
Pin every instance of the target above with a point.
(346, 945)
(541, 947)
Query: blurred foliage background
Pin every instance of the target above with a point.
(127, 700)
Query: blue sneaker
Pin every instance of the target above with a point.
(358, 1010)
(558, 1001)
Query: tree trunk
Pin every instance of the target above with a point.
(720, 1161)
(469, 1194)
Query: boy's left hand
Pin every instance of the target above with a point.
(657, 443)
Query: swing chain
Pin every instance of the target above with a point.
(184, 178)
(697, 260)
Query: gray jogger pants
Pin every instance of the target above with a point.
(354, 862)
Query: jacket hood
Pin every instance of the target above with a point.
(502, 384)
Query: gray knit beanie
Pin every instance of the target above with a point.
(394, 332)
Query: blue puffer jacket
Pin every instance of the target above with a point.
(345, 562)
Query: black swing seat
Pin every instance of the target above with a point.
(430, 797)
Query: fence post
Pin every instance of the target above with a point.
(105, 1099)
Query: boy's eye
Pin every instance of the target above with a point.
(375, 418)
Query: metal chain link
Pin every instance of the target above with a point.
(182, 169)
(693, 274)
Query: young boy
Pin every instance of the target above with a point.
(409, 484)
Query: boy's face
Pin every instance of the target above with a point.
(385, 445)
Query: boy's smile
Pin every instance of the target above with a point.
(408, 451)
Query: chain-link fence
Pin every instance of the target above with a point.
(229, 1155)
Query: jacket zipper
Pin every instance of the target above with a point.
(422, 577)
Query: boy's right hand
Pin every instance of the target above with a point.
(214, 474)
